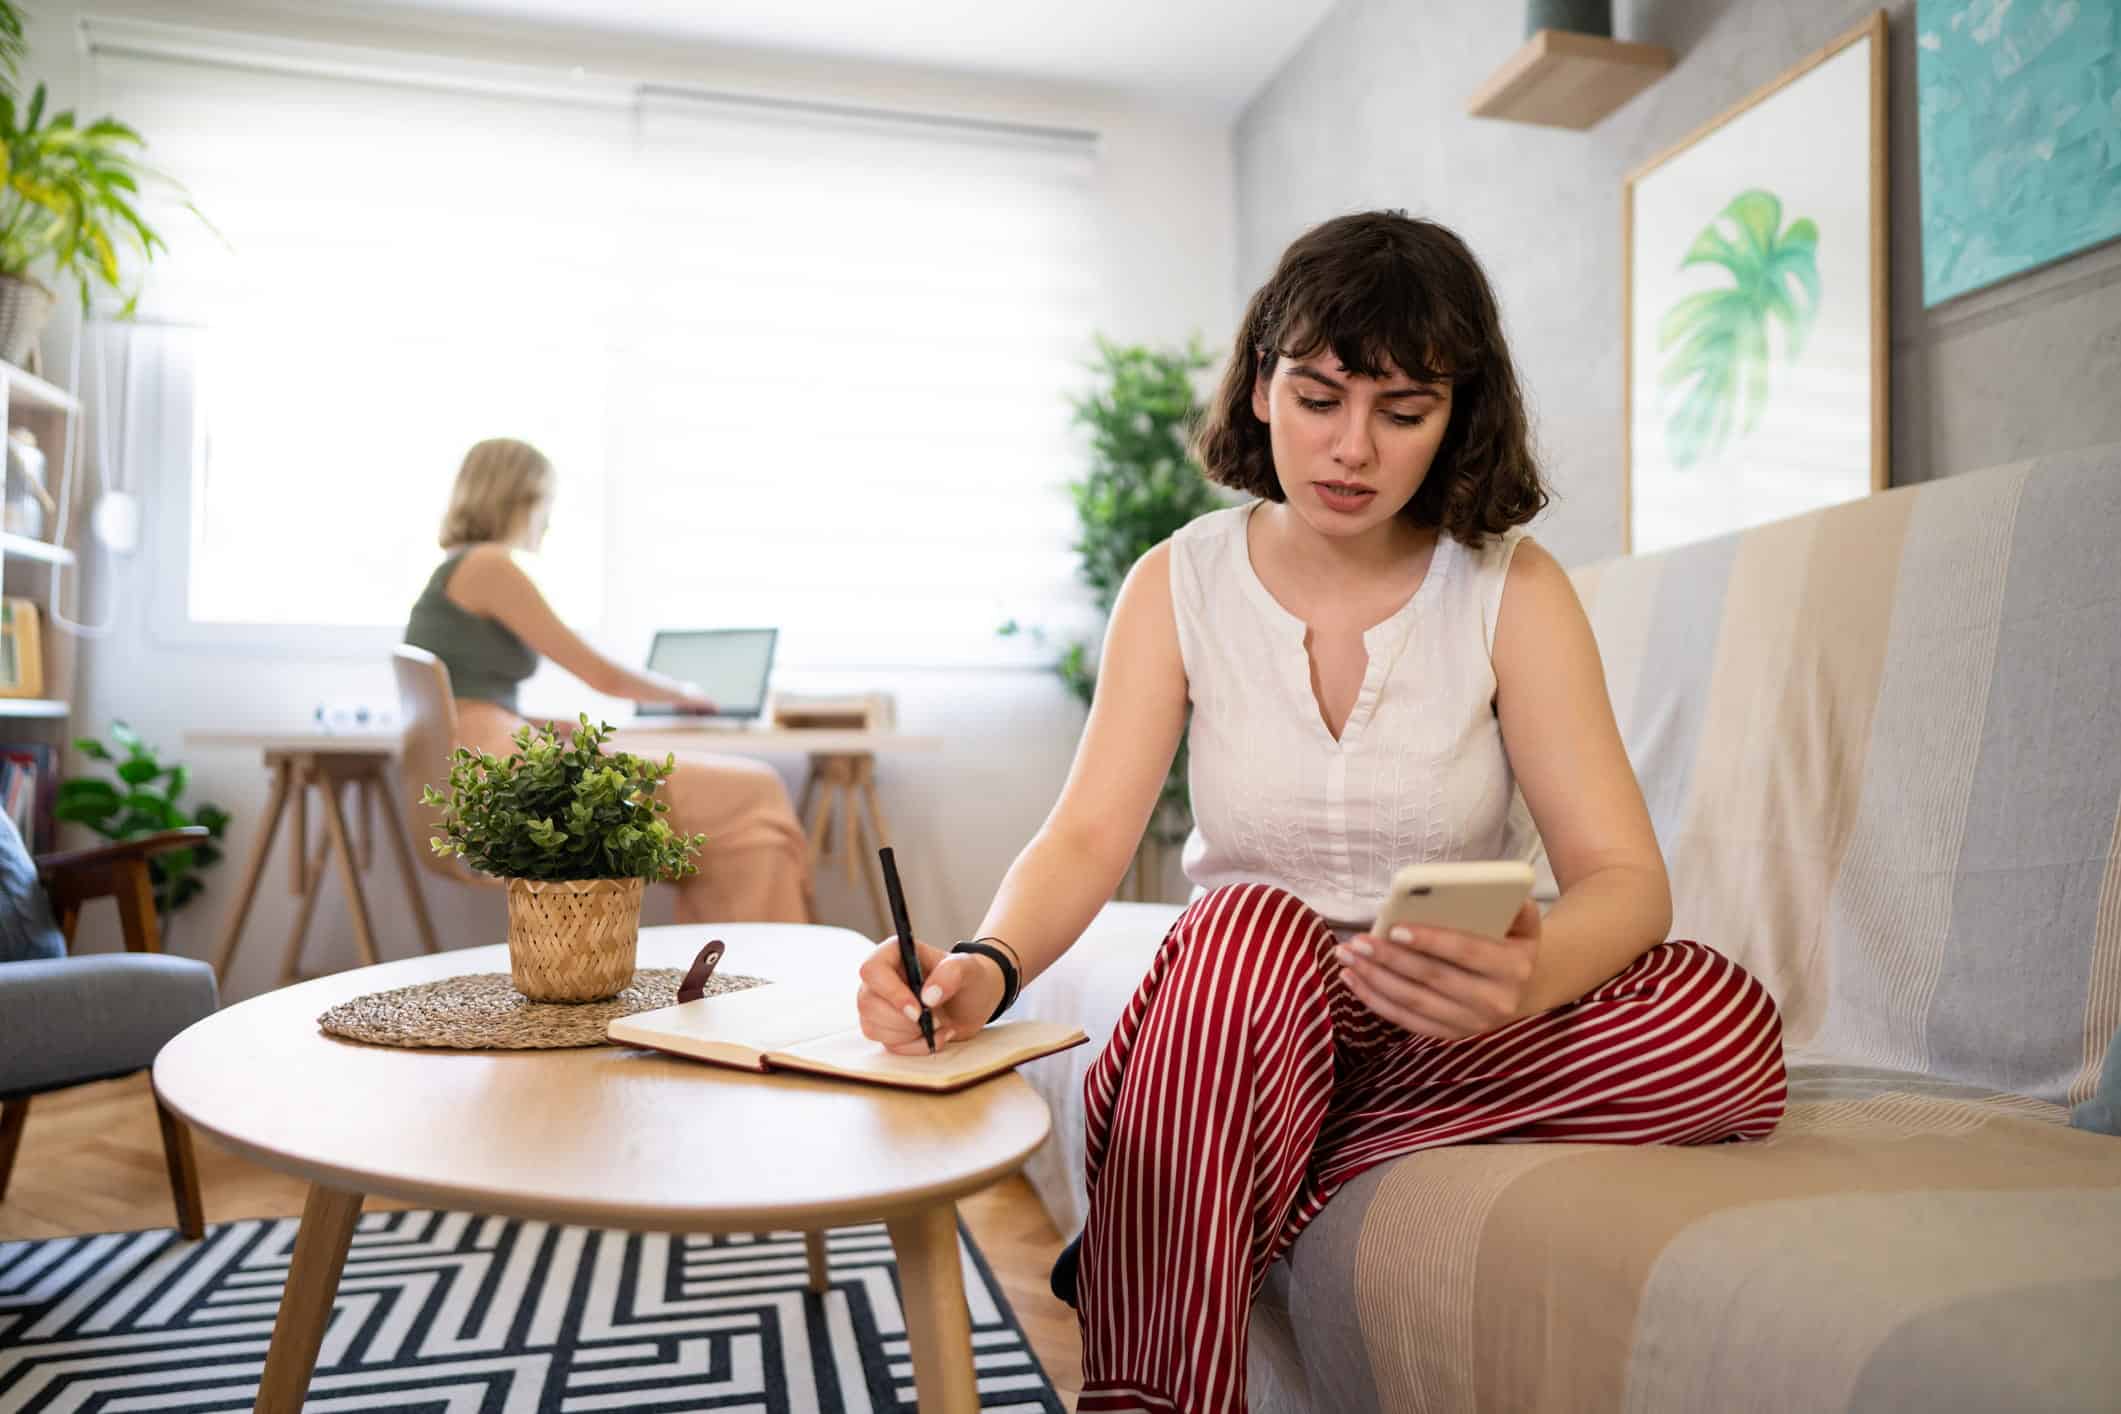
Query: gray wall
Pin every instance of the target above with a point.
(1371, 112)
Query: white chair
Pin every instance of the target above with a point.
(428, 706)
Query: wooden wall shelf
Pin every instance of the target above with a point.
(1564, 80)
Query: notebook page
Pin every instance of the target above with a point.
(991, 1050)
(768, 1018)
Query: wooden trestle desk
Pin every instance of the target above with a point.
(842, 781)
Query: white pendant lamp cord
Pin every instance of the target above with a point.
(101, 460)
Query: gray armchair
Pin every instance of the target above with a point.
(69, 1020)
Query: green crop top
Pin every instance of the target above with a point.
(484, 657)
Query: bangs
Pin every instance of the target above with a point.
(1375, 318)
(1387, 294)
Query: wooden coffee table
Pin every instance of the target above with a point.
(599, 1136)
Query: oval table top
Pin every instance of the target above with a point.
(603, 1135)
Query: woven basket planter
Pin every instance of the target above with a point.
(25, 305)
(572, 940)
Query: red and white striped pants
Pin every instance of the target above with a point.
(1245, 1084)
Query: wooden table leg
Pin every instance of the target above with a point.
(13, 1115)
(850, 832)
(872, 875)
(253, 872)
(291, 961)
(938, 1324)
(401, 843)
(305, 775)
(183, 1173)
(820, 815)
(820, 1268)
(876, 809)
(365, 811)
(328, 1219)
(861, 777)
(335, 822)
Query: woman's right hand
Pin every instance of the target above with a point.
(691, 699)
(963, 988)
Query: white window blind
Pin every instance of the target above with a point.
(849, 413)
(796, 366)
(401, 271)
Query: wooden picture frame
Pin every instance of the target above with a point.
(1707, 447)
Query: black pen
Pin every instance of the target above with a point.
(908, 958)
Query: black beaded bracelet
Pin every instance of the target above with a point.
(1010, 976)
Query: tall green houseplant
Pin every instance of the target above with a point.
(1142, 485)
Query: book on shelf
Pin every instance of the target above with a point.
(21, 649)
(782, 1027)
(29, 790)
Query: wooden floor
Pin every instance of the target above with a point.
(91, 1161)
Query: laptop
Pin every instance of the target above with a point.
(730, 666)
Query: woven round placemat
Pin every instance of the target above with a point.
(482, 1011)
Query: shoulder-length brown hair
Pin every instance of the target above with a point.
(1384, 289)
(500, 479)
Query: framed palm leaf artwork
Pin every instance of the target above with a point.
(1754, 312)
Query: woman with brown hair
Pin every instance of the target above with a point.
(1376, 661)
(485, 618)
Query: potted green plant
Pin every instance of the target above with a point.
(577, 834)
(1142, 485)
(68, 209)
(143, 800)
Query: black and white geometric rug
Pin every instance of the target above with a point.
(457, 1314)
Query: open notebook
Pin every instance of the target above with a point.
(779, 1027)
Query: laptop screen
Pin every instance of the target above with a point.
(730, 665)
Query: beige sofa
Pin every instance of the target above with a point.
(1882, 747)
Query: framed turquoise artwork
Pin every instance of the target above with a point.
(1754, 307)
(2020, 113)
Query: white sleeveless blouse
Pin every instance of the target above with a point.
(1419, 772)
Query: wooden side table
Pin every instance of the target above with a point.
(334, 770)
(592, 1136)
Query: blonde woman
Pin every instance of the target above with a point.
(484, 617)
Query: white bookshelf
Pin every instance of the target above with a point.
(48, 707)
(27, 389)
(38, 567)
(12, 546)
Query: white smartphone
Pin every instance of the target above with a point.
(1471, 896)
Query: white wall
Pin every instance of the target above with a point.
(958, 817)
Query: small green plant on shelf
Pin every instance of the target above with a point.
(75, 200)
(144, 800)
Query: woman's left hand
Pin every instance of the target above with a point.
(1442, 983)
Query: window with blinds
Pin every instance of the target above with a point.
(796, 365)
